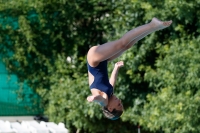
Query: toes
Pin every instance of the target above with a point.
(167, 23)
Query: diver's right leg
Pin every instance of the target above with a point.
(139, 38)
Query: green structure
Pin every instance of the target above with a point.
(15, 101)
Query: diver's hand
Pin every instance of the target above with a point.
(119, 64)
(99, 99)
(90, 98)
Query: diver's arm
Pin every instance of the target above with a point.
(114, 74)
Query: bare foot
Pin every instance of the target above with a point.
(159, 25)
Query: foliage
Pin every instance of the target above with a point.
(175, 107)
(174, 76)
(46, 42)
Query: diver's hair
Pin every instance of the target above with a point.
(115, 114)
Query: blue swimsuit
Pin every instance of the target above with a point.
(101, 81)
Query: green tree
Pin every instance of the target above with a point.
(174, 75)
(176, 105)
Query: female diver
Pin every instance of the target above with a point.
(101, 86)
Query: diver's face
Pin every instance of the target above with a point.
(115, 103)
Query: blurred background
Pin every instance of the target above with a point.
(43, 73)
